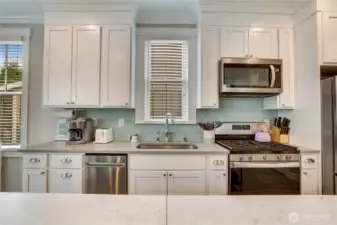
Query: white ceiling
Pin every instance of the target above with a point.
(10, 10)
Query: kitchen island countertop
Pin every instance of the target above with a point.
(83, 209)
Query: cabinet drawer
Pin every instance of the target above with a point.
(66, 161)
(36, 161)
(167, 162)
(219, 162)
(65, 180)
(309, 161)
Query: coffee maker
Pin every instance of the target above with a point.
(81, 131)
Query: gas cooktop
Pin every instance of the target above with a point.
(254, 147)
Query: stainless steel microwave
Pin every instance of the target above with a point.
(248, 77)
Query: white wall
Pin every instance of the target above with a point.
(306, 117)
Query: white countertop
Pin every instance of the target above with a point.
(118, 147)
(81, 209)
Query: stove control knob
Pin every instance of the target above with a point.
(264, 157)
(278, 158)
(241, 158)
(250, 158)
(288, 157)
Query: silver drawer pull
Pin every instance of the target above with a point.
(218, 162)
(67, 161)
(66, 175)
(310, 161)
(34, 160)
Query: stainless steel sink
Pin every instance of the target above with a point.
(166, 146)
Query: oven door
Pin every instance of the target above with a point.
(240, 76)
(264, 178)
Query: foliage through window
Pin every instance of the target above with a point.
(10, 93)
(166, 79)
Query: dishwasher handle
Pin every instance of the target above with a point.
(107, 164)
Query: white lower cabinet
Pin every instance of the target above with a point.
(148, 182)
(186, 183)
(34, 180)
(52, 173)
(309, 182)
(65, 180)
(177, 174)
(217, 182)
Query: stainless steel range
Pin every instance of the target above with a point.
(258, 168)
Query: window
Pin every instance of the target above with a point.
(166, 80)
(10, 93)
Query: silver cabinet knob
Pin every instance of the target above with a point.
(264, 157)
(241, 158)
(66, 161)
(278, 157)
(126, 103)
(66, 175)
(251, 55)
(42, 173)
(250, 157)
(34, 160)
(288, 157)
(218, 162)
(68, 103)
(224, 174)
(170, 175)
(164, 175)
(305, 173)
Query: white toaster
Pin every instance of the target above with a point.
(103, 136)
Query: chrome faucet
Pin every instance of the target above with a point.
(167, 132)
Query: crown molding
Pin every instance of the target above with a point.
(89, 7)
(31, 19)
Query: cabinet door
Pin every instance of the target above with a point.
(309, 182)
(329, 37)
(209, 76)
(234, 42)
(186, 183)
(65, 180)
(263, 43)
(285, 100)
(86, 65)
(34, 180)
(286, 53)
(148, 182)
(217, 182)
(116, 66)
(57, 65)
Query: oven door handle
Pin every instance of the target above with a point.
(264, 164)
(273, 76)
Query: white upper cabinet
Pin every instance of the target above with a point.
(210, 53)
(329, 37)
(285, 100)
(57, 65)
(86, 65)
(116, 66)
(234, 42)
(263, 43)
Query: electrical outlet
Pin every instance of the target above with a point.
(121, 122)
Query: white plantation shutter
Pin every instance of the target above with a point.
(166, 79)
(10, 93)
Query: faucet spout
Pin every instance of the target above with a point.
(167, 133)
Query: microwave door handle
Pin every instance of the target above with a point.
(273, 76)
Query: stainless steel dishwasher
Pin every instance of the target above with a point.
(106, 174)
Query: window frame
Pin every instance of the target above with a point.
(22, 36)
(148, 79)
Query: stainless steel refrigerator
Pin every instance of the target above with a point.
(329, 129)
